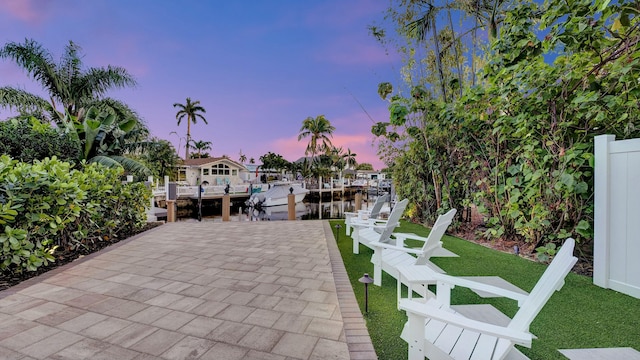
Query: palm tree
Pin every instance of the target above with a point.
(420, 28)
(318, 129)
(201, 146)
(193, 111)
(243, 157)
(70, 87)
(336, 155)
(106, 128)
(252, 161)
(350, 159)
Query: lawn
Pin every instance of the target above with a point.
(581, 315)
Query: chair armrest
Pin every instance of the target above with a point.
(369, 221)
(405, 236)
(430, 311)
(395, 247)
(470, 284)
(372, 226)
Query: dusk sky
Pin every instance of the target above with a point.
(258, 67)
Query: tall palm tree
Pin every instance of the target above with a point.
(420, 28)
(201, 146)
(71, 88)
(192, 111)
(318, 130)
(243, 157)
(106, 128)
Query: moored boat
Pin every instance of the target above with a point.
(278, 195)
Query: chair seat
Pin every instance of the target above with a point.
(446, 341)
(437, 330)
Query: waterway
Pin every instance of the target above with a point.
(329, 209)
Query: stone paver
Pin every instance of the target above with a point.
(189, 290)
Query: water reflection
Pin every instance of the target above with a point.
(304, 211)
(328, 209)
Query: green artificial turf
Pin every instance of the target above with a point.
(580, 315)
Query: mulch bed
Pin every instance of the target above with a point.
(473, 232)
(8, 280)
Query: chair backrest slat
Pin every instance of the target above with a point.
(394, 220)
(435, 235)
(377, 206)
(552, 280)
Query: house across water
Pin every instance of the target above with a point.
(213, 171)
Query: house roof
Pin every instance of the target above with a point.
(204, 161)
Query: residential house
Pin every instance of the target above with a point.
(211, 171)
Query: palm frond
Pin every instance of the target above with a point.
(37, 61)
(17, 99)
(129, 165)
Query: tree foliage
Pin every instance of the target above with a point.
(161, 158)
(106, 129)
(319, 131)
(28, 139)
(274, 161)
(520, 144)
(71, 88)
(192, 111)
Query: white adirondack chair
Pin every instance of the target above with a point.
(436, 331)
(379, 230)
(372, 213)
(387, 256)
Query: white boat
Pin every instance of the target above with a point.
(277, 194)
(279, 212)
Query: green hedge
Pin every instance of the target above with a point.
(48, 206)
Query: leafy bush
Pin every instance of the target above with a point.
(28, 139)
(47, 205)
(519, 143)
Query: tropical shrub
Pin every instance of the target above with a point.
(28, 139)
(520, 144)
(48, 206)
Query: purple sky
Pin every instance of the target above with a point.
(259, 68)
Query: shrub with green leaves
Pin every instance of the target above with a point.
(518, 141)
(28, 139)
(48, 205)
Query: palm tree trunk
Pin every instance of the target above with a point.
(436, 44)
(186, 149)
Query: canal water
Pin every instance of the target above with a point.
(318, 209)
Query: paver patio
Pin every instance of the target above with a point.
(189, 290)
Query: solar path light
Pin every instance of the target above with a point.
(366, 280)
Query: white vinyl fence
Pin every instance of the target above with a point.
(617, 215)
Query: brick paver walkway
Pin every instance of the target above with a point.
(188, 290)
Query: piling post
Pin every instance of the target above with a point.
(226, 207)
(358, 204)
(291, 202)
(171, 211)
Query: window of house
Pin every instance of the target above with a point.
(220, 169)
(205, 171)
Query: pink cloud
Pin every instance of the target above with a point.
(360, 144)
(32, 12)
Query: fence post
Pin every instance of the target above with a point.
(601, 203)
